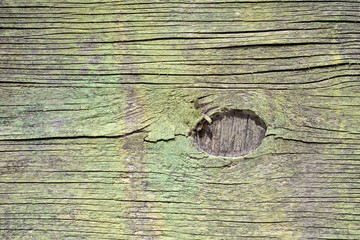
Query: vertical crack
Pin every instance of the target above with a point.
(244, 147)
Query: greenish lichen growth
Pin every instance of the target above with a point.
(172, 112)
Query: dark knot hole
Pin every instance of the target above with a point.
(231, 133)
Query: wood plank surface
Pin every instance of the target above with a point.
(98, 98)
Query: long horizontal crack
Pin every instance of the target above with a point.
(141, 130)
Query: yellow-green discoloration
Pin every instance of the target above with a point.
(98, 99)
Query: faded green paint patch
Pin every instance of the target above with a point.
(102, 75)
(171, 111)
(201, 190)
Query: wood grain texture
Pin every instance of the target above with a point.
(97, 100)
(230, 133)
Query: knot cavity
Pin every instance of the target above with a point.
(232, 133)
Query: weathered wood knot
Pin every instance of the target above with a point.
(231, 133)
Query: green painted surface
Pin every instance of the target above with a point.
(97, 101)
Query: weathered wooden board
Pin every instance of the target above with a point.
(97, 100)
